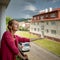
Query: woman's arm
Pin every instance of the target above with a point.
(33, 39)
(22, 39)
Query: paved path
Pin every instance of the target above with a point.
(38, 53)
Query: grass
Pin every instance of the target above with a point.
(26, 34)
(49, 45)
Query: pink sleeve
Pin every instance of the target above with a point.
(10, 43)
(22, 39)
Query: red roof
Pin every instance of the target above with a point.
(46, 19)
(56, 19)
(56, 9)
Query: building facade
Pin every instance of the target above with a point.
(47, 24)
(25, 25)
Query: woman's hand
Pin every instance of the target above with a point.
(33, 39)
(25, 57)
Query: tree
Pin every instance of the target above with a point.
(8, 19)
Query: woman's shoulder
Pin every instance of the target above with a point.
(6, 33)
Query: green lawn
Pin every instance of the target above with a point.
(49, 45)
(26, 34)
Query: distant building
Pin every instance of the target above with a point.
(47, 24)
(25, 25)
(22, 24)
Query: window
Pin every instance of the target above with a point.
(34, 18)
(38, 23)
(34, 23)
(47, 23)
(38, 17)
(38, 29)
(34, 29)
(53, 15)
(46, 15)
(47, 30)
(31, 28)
(42, 27)
(53, 23)
(42, 21)
(42, 17)
(53, 31)
(31, 23)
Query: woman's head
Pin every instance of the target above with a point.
(13, 25)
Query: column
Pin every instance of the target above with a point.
(3, 6)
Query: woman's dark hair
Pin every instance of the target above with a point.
(10, 23)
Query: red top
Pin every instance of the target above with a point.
(9, 47)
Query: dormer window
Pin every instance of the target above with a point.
(53, 15)
(41, 17)
(46, 16)
(38, 17)
(34, 18)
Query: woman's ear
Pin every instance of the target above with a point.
(10, 27)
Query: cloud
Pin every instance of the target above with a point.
(27, 16)
(54, 1)
(30, 1)
(49, 1)
(30, 8)
(27, 8)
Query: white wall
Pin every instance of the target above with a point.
(49, 27)
(35, 26)
(2, 20)
(53, 27)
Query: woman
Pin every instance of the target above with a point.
(9, 42)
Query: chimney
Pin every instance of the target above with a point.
(50, 9)
(46, 10)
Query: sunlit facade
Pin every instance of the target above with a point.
(47, 24)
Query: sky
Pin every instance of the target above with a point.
(28, 8)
